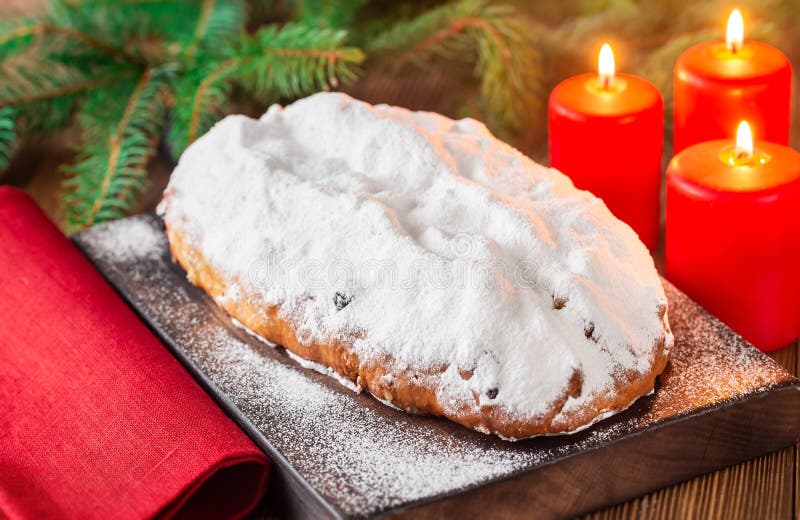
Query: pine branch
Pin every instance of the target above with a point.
(133, 23)
(15, 37)
(174, 29)
(494, 36)
(107, 28)
(201, 97)
(289, 62)
(58, 61)
(35, 76)
(120, 124)
(221, 20)
(323, 13)
(55, 61)
(27, 33)
(117, 58)
(295, 60)
(20, 123)
(86, 38)
(42, 117)
(9, 135)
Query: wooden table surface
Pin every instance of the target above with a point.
(768, 487)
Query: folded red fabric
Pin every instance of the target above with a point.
(97, 419)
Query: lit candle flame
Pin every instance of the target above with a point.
(744, 141)
(734, 36)
(605, 65)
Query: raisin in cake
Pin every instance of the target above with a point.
(423, 260)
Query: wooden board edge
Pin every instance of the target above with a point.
(638, 464)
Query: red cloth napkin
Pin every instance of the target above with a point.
(97, 419)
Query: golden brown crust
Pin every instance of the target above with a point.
(414, 391)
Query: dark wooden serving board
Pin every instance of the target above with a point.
(339, 454)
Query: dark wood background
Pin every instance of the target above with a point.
(768, 487)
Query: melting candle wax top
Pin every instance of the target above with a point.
(738, 167)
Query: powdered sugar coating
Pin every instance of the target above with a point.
(497, 265)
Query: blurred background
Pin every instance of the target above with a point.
(495, 61)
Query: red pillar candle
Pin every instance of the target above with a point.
(733, 235)
(606, 134)
(717, 84)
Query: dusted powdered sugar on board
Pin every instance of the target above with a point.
(358, 454)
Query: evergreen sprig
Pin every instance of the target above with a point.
(129, 69)
(120, 124)
(324, 13)
(502, 47)
(128, 66)
(273, 63)
(19, 122)
(9, 135)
